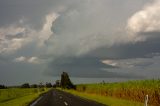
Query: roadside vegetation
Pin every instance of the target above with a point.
(98, 92)
(131, 93)
(22, 95)
(108, 101)
(25, 94)
(131, 90)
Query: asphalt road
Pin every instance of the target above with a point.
(60, 98)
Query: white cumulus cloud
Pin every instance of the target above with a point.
(31, 60)
(145, 20)
(86, 26)
(16, 36)
(132, 63)
(20, 59)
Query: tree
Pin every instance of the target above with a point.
(25, 85)
(3, 87)
(34, 86)
(48, 85)
(66, 82)
(41, 85)
(57, 84)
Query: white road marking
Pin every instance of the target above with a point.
(66, 103)
(35, 102)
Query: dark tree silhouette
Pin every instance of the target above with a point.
(34, 86)
(41, 85)
(66, 82)
(3, 87)
(48, 85)
(25, 85)
(57, 84)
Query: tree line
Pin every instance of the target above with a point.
(27, 85)
(64, 83)
(3, 87)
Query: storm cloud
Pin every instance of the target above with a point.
(86, 38)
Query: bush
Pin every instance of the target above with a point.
(25, 85)
(3, 87)
(34, 86)
(48, 85)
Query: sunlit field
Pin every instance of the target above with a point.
(109, 101)
(19, 96)
(132, 90)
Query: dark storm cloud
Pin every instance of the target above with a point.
(131, 50)
(75, 26)
(85, 67)
(75, 36)
(150, 34)
(144, 64)
(92, 67)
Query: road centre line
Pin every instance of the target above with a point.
(66, 103)
(35, 102)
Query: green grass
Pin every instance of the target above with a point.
(18, 96)
(109, 101)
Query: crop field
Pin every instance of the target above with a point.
(108, 101)
(18, 96)
(131, 90)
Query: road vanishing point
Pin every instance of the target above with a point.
(60, 98)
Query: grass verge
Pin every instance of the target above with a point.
(109, 101)
(21, 101)
(19, 96)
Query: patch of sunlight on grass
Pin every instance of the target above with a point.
(22, 101)
(19, 96)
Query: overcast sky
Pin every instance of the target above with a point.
(115, 39)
